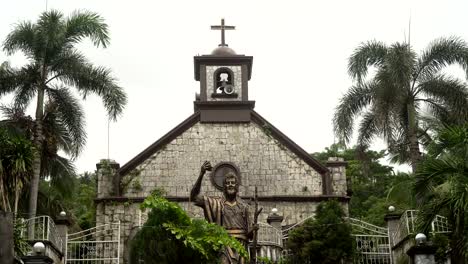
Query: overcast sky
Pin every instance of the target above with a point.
(300, 51)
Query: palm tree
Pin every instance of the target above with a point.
(57, 137)
(441, 187)
(403, 88)
(16, 156)
(55, 67)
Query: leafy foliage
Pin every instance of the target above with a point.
(324, 239)
(392, 101)
(84, 208)
(21, 245)
(171, 236)
(374, 186)
(16, 155)
(441, 186)
(54, 68)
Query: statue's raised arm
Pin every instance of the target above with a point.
(195, 193)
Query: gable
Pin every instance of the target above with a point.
(195, 118)
(266, 159)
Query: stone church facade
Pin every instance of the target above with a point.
(225, 130)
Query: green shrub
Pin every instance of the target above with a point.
(171, 236)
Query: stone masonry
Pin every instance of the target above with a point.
(263, 162)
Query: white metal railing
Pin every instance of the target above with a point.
(42, 228)
(372, 242)
(440, 225)
(100, 244)
(366, 228)
(286, 230)
(352, 221)
(373, 249)
(268, 234)
(407, 226)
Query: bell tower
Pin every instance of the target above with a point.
(223, 77)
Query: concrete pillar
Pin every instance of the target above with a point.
(6, 237)
(107, 180)
(62, 223)
(392, 220)
(275, 220)
(339, 184)
(422, 254)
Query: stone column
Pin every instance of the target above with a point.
(340, 185)
(422, 254)
(275, 221)
(107, 181)
(6, 237)
(392, 220)
(62, 223)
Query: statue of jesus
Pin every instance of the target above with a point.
(229, 212)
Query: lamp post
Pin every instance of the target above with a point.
(38, 257)
(422, 252)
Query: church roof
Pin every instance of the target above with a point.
(195, 118)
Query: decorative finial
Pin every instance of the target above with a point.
(222, 27)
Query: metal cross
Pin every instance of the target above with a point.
(223, 27)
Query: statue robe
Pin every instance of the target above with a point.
(235, 219)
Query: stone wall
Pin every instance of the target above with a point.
(262, 161)
(339, 182)
(277, 172)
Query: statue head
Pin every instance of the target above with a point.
(231, 185)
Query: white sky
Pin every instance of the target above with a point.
(300, 51)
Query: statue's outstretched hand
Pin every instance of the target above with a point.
(206, 167)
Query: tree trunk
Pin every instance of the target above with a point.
(415, 154)
(17, 194)
(4, 196)
(37, 154)
(6, 237)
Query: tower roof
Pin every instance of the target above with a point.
(223, 51)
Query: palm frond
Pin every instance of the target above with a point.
(57, 136)
(398, 148)
(10, 78)
(61, 172)
(399, 65)
(85, 24)
(440, 53)
(368, 54)
(447, 92)
(70, 113)
(98, 80)
(355, 100)
(68, 60)
(27, 88)
(51, 31)
(16, 122)
(367, 129)
(22, 38)
(453, 138)
(114, 99)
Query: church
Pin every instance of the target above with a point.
(225, 130)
